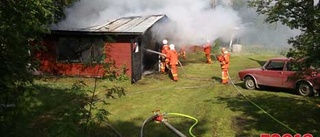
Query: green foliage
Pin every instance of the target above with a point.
(123, 74)
(302, 15)
(21, 23)
(115, 90)
(216, 46)
(96, 110)
(77, 86)
(113, 73)
(78, 108)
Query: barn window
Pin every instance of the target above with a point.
(80, 50)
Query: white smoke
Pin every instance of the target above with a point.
(315, 2)
(195, 21)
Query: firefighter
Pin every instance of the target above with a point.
(182, 52)
(224, 60)
(172, 57)
(207, 51)
(165, 48)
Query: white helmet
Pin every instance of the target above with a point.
(171, 46)
(165, 41)
(224, 50)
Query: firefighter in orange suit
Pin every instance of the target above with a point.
(172, 56)
(207, 51)
(164, 50)
(224, 60)
(182, 52)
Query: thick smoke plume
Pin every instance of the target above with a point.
(193, 21)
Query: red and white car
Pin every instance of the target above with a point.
(281, 72)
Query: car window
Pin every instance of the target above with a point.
(275, 65)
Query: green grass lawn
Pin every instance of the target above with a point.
(220, 109)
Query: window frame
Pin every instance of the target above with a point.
(80, 50)
(275, 67)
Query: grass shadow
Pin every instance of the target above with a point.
(50, 109)
(54, 111)
(218, 79)
(305, 114)
(270, 89)
(278, 90)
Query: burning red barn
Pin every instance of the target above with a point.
(119, 43)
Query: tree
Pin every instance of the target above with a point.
(21, 22)
(296, 14)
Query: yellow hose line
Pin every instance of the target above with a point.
(187, 116)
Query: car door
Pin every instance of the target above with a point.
(272, 73)
(289, 76)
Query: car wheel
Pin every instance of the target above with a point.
(249, 83)
(304, 89)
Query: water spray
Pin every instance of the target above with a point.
(156, 52)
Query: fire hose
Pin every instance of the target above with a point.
(158, 117)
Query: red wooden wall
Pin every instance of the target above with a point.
(120, 53)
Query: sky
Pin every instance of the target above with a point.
(195, 22)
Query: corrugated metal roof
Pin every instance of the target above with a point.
(134, 24)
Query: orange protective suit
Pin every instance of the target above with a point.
(182, 52)
(224, 60)
(172, 56)
(207, 51)
(164, 50)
